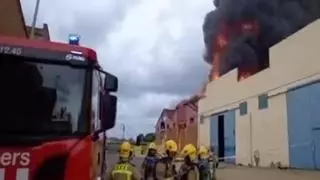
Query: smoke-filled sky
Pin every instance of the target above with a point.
(276, 19)
(154, 47)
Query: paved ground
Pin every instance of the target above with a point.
(243, 173)
(236, 173)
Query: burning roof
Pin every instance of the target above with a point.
(239, 33)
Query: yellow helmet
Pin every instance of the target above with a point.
(152, 146)
(171, 146)
(190, 150)
(125, 150)
(203, 151)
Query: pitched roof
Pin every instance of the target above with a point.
(165, 112)
(169, 113)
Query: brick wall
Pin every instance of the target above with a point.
(11, 19)
(189, 134)
(185, 113)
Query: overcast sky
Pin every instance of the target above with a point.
(155, 48)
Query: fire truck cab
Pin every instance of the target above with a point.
(56, 104)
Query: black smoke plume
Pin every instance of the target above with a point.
(276, 19)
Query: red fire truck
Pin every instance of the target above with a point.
(56, 103)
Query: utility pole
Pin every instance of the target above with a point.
(123, 130)
(34, 21)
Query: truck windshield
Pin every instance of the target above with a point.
(39, 98)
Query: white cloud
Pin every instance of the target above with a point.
(154, 47)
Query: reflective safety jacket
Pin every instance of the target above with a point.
(204, 169)
(165, 169)
(189, 172)
(123, 170)
(148, 167)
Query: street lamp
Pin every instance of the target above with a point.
(34, 21)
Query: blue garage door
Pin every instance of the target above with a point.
(303, 108)
(315, 122)
(228, 132)
(214, 132)
(229, 136)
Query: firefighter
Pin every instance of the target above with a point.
(124, 169)
(214, 157)
(214, 162)
(148, 165)
(164, 168)
(204, 164)
(132, 154)
(189, 169)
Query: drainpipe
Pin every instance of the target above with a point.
(251, 139)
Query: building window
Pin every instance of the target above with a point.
(191, 120)
(168, 127)
(162, 125)
(263, 101)
(174, 125)
(243, 108)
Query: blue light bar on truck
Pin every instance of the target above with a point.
(74, 39)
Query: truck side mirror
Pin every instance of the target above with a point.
(108, 110)
(110, 83)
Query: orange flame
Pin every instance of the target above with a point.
(221, 44)
(244, 75)
(215, 74)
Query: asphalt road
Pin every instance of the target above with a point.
(235, 173)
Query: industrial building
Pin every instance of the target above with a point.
(179, 124)
(271, 118)
(12, 22)
(40, 33)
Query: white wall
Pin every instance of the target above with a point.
(293, 61)
(263, 131)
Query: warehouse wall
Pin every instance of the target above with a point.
(293, 61)
(263, 132)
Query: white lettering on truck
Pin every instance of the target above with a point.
(10, 50)
(75, 57)
(14, 158)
